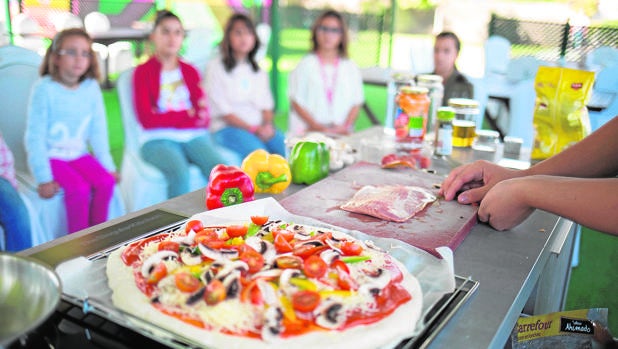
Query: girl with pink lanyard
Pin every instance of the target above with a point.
(326, 88)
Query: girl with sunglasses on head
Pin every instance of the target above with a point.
(239, 93)
(66, 118)
(326, 88)
(171, 107)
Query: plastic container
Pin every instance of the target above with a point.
(486, 140)
(411, 118)
(443, 142)
(464, 124)
(436, 92)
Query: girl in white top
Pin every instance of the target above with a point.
(326, 88)
(239, 96)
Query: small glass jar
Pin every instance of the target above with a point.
(411, 120)
(395, 82)
(436, 91)
(443, 143)
(464, 124)
(486, 140)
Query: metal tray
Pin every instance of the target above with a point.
(97, 299)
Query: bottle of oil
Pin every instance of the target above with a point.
(464, 124)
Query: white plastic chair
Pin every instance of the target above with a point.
(97, 22)
(66, 20)
(199, 44)
(481, 96)
(497, 55)
(144, 185)
(520, 75)
(606, 84)
(421, 56)
(263, 31)
(602, 57)
(28, 33)
(18, 71)
(119, 54)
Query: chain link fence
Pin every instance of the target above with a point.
(552, 42)
(369, 33)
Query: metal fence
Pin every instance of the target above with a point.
(552, 41)
(369, 33)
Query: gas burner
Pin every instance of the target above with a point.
(46, 336)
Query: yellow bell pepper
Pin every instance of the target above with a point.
(270, 173)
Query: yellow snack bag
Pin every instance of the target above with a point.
(572, 329)
(560, 113)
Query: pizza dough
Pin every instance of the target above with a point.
(385, 332)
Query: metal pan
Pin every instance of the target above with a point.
(29, 293)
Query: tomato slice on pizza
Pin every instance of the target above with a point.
(264, 280)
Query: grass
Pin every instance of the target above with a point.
(594, 281)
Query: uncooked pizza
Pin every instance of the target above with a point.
(266, 283)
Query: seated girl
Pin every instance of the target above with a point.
(326, 88)
(171, 107)
(239, 96)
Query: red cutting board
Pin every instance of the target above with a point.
(444, 223)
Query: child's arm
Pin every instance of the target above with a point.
(36, 134)
(144, 98)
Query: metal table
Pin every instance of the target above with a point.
(525, 269)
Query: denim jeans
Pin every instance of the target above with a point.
(14, 218)
(244, 142)
(173, 159)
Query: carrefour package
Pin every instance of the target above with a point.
(560, 113)
(574, 329)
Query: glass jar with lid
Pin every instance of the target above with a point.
(395, 82)
(436, 91)
(411, 118)
(464, 124)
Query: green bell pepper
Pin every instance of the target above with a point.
(309, 162)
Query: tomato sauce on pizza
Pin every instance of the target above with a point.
(266, 279)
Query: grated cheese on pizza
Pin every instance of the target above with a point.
(263, 282)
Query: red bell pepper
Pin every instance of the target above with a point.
(228, 185)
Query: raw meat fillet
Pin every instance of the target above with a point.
(396, 203)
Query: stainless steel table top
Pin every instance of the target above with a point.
(506, 264)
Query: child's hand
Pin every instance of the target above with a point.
(116, 176)
(339, 130)
(48, 190)
(265, 132)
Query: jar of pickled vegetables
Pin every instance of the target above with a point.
(411, 117)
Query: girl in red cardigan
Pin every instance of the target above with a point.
(171, 106)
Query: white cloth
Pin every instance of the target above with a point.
(242, 92)
(308, 85)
